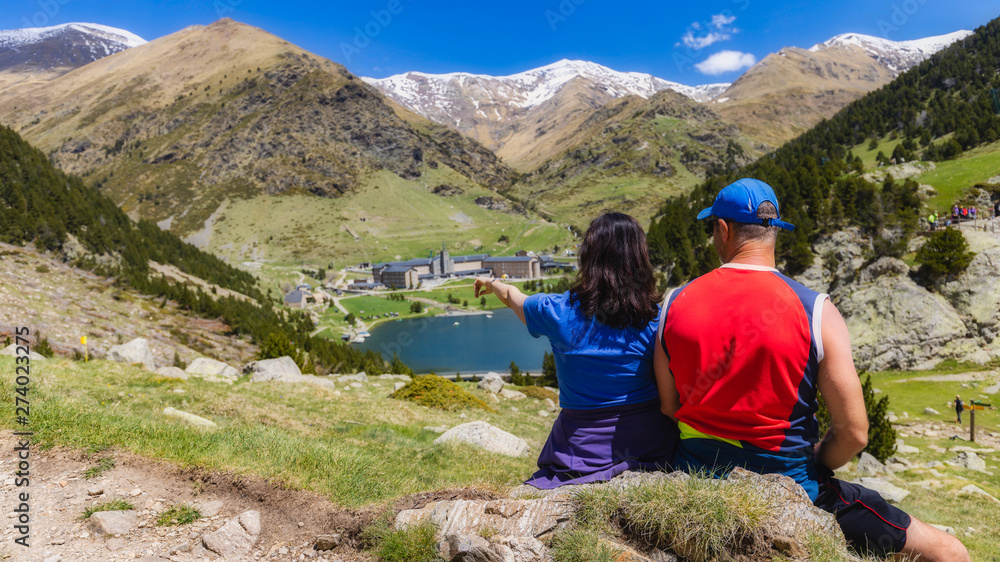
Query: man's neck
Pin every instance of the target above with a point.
(749, 255)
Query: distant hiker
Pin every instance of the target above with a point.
(602, 333)
(954, 213)
(959, 408)
(965, 212)
(996, 209)
(932, 219)
(972, 213)
(744, 351)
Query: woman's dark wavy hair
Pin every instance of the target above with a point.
(616, 282)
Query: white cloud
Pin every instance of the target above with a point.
(703, 41)
(726, 61)
(721, 20)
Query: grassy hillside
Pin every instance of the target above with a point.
(390, 218)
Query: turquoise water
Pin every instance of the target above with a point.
(478, 344)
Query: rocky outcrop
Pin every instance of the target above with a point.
(895, 323)
(171, 372)
(520, 528)
(976, 294)
(485, 436)
(134, 352)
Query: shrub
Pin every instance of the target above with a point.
(945, 253)
(180, 514)
(539, 393)
(113, 505)
(412, 544)
(43, 348)
(416, 307)
(881, 435)
(438, 392)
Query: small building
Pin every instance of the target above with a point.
(362, 287)
(522, 267)
(304, 287)
(400, 276)
(466, 265)
(296, 299)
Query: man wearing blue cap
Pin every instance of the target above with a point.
(744, 349)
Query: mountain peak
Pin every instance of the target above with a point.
(897, 55)
(14, 38)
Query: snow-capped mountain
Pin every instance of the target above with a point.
(430, 94)
(65, 46)
(898, 56)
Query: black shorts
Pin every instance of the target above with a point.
(869, 523)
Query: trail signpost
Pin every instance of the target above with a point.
(973, 406)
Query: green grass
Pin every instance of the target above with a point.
(364, 306)
(413, 544)
(103, 465)
(180, 514)
(953, 178)
(114, 505)
(356, 447)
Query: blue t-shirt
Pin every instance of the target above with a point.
(597, 366)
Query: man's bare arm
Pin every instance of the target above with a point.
(669, 398)
(840, 386)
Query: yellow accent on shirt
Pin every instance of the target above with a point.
(688, 432)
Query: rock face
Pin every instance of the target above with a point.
(895, 323)
(522, 518)
(212, 368)
(272, 369)
(485, 436)
(969, 460)
(112, 522)
(492, 382)
(890, 492)
(135, 351)
(236, 537)
(869, 466)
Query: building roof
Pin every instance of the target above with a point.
(397, 268)
(510, 259)
(295, 297)
(473, 257)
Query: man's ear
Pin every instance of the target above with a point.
(724, 231)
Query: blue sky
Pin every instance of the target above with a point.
(688, 42)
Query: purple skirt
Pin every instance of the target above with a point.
(597, 445)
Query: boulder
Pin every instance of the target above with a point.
(171, 372)
(190, 418)
(513, 394)
(869, 466)
(358, 377)
(904, 449)
(272, 369)
(236, 537)
(931, 412)
(403, 378)
(969, 460)
(210, 367)
(112, 522)
(485, 436)
(890, 492)
(210, 508)
(976, 292)
(397, 385)
(974, 490)
(492, 382)
(12, 351)
(135, 351)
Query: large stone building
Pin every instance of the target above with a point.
(523, 267)
(409, 273)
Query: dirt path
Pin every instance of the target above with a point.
(59, 493)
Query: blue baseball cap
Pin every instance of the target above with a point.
(739, 201)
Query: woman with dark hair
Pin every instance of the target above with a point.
(602, 333)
